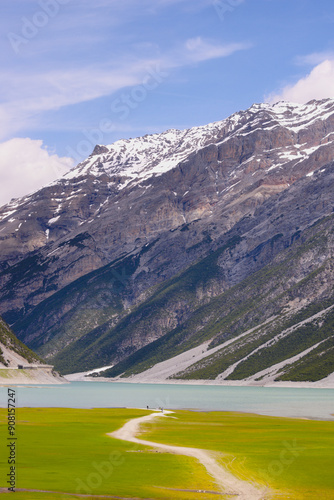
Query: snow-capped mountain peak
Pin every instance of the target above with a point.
(261, 140)
(137, 159)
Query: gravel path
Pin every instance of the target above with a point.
(224, 479)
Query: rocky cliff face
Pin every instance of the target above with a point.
(95, 258)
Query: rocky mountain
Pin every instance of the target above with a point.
(218, 237)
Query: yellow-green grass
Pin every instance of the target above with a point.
(5, 373)
(61, 449)
(294, 457)
(13, 373)
(57, 449)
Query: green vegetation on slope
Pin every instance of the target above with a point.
(290, 345)
(97, 347)
(244, 306)
(211, 366)
(316, 365)
(185, 311)
(8, 338)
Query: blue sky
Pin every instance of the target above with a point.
(80, 72)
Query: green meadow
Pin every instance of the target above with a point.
(67, 451)
(294, 457)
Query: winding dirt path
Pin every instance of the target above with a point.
(228, 483)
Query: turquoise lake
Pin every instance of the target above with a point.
(277, 401)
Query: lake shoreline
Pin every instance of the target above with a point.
(274, 401)
(327, 383)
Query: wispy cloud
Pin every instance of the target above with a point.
(27, 96)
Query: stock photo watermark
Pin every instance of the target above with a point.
(289, 453)
(11, 439)
(121, 108)
(131, 100)
(31, 26)
(100, 472)
(223, 7)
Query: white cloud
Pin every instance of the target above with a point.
(26, 166)
(318, 84)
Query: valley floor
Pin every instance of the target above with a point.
(95, 453)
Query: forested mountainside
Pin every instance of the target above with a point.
(219, 236)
